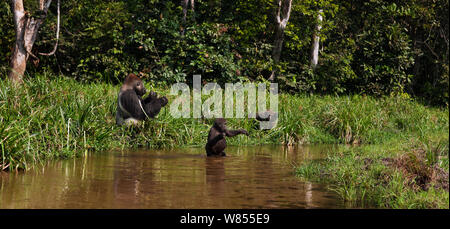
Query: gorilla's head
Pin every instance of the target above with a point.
(220, 124)
(135, 83)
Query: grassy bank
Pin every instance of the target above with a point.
(55, 117)
(404, 163)
(397, 174)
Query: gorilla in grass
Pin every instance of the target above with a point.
(131, 108)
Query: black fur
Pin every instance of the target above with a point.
(152, 105)
(216, 138)
(130, 102)
(266, 114)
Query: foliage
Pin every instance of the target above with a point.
(371, 47)
(6, 33)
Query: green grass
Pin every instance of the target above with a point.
(59, 117)
(385, 175)
(56, 117)
(403, 141)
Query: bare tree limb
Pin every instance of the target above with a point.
(31, 25)
(283, 13)
(192, 5)
(26, 27)
(185, 4)
(277, 16)
(57, 36)
(47, 5)
(286, 14)
(316, 41)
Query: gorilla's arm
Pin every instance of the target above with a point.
(129, 100)
(232, 133)
(152, 96)
(153, 107)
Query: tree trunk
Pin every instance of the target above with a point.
(19, 56)
(281, 19)
(278, 44)
(26, 27)
(316, 40)
(184, 4)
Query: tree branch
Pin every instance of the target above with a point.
(287, 13)
(277, 16)
(30, 35)
(57, 36)
(47, 5)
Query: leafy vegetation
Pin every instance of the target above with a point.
(370, 47)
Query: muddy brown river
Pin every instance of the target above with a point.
(250, 177)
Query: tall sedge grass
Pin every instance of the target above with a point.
(56, 117)
(368, 175)
(360, 176)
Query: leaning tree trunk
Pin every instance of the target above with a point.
(316, 40)
(281, 19)
(26, 27)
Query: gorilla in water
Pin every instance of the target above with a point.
(216, 138)
(131, 108)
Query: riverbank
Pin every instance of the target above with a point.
(402, 174)
(402, 163)
(396, 138)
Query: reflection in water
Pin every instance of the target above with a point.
(250, 177)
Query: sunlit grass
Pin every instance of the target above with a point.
(367, 175)
(53, 117)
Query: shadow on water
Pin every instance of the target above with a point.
(250, 177)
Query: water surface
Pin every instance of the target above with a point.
(250, 177)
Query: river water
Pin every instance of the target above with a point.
(250, 177)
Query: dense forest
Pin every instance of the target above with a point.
(363, 47)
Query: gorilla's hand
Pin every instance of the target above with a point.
(151, 97)
(164, 101)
